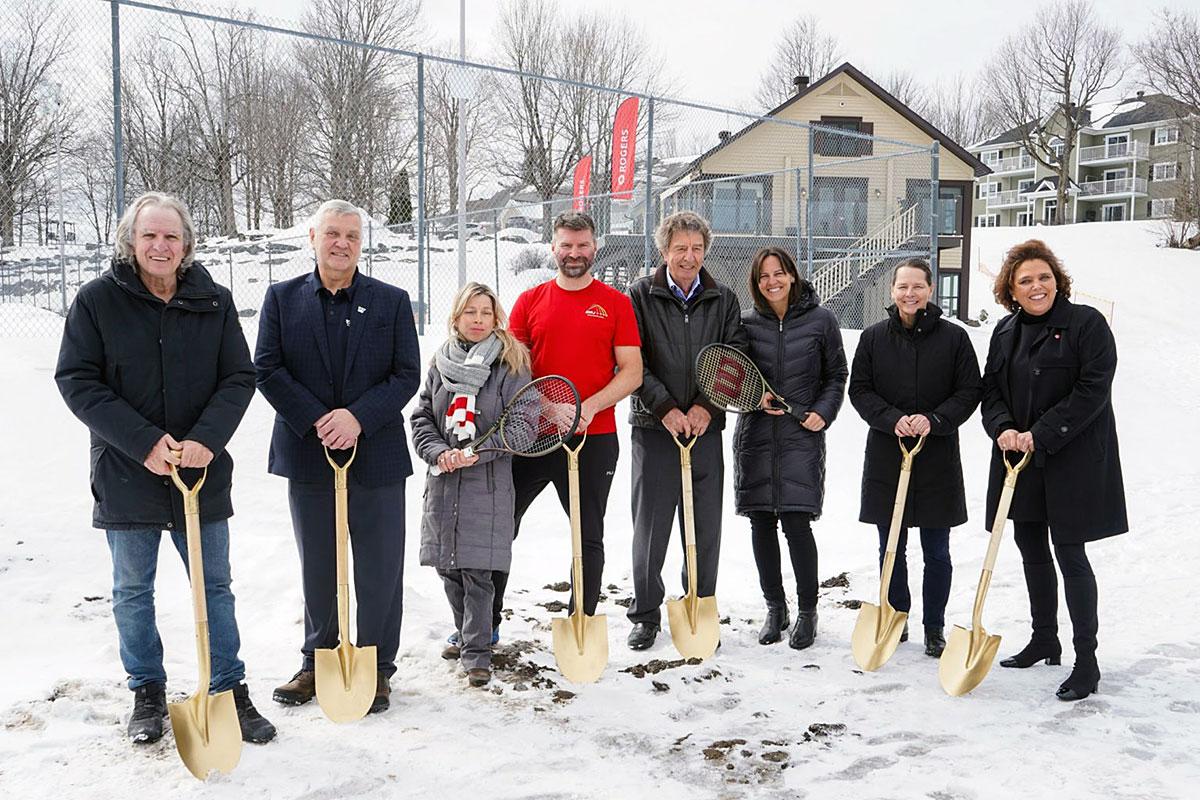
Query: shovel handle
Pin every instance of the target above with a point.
(576, 535)
(341, 539)
(1012, 472)
(191, 513)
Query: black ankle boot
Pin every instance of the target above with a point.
(804, 632)
(1034, 652)
(775, 624)
(935, 642)
(149, 708)
(255, 727)
(1083, 680)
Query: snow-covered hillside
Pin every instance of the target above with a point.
(751, 722)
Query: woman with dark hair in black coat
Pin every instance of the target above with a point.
(779, 457)
(1047, 390)
(916, 374)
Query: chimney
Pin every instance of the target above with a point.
(723, 136)
(800, 82)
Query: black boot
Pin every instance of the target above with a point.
(904, 633)
(1042, 582)
(775, 624)
(255, 727)
(935, 642)
(149, 708)
(1081, 603)
(804, 632)
(642, 636)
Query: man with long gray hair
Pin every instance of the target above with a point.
(680, 309)
(153, 361)
(337, 357)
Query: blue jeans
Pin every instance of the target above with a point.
(935, 585)
(135, 562)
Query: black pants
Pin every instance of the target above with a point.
(935, 581)
(1079, 586)
(597, 463)
(802, 550)
(376, 516)
(657, 499)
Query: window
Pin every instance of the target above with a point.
(948, 293)
(1056, 147)
(987, 189)
(1024, 219)
(1114, 212)
(987, 221)
(1116, 145)
(1166, 135)
(738, 206)
(1050, 211)
(1162, 207)
(1025, 186)
(839, 206)
(991, 158)
(1165, 171)
(831, 143)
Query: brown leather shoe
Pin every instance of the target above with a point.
(479, 676)
(298, 691)
(383, 691)
(451, 652)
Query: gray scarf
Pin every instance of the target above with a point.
(464, 371)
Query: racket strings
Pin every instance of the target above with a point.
(541, 417)
(729, 378)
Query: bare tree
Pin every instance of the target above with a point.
(802, 49)
(957, 108)
(447, 88)
(95, 173)
(158, 146)
(1046, 76)
(904, 86)
(356, 95)
(28, 58)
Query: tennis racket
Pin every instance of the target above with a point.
(730, 380)
(543, 415)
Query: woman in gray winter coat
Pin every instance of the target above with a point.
(467, 524)
(779, 457)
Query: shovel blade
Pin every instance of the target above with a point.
(346, 678)
(581, 660)
(966, 660)
(876, 635)
(696, 637)
(207, 734)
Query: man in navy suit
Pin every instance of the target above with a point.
(338, 358)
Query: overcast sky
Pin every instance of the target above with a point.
(716, 51)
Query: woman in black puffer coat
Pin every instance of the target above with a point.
(779, 457)
(916, 374)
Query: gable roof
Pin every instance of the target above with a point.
(1011, 135)
(849, 69)
(1147, 108)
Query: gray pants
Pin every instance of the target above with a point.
(657, 495)
(470, 594)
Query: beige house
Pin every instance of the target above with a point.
(857, 203)
(1128, 163)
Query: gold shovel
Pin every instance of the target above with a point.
(207, 733)
(695, 624)
(345, 675)
(580, 641)
(878, 628)
(969, 653)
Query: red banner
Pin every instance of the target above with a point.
(624, 144)
(583, 183)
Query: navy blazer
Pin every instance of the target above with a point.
(382, 373)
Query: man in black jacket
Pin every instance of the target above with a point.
(154, 363)
(679, 309)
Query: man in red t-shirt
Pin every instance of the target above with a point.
(584, 330)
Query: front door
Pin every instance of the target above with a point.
(1114, 212)
(1050, 211)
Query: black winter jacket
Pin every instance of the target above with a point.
(1072, 362)
(931, 370)
(672, 335)
(132, 368)
(779, 466)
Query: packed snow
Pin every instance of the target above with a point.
(751, 721)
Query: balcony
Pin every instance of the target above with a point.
(1012, 165)
(1009, 199)
(1117, 187)
(1113, 152)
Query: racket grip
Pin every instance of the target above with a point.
(468, 452)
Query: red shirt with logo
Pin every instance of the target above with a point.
(573, 334)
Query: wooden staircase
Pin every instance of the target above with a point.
(836, 276)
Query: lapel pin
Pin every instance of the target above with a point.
(361, 309)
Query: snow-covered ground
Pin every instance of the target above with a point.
(750, 722)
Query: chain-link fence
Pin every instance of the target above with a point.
(253, 123)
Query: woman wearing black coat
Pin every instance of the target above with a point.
(779, 457)
(916, 374)
(1048, 391)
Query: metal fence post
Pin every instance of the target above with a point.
(933, 218)
(118, 144)
(799, 242)
(370, 246)
(229, 253)
(496, 247)
(808, 204)
(648, 233)
(421, 298)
